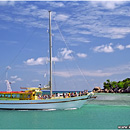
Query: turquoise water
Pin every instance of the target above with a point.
(106, 112)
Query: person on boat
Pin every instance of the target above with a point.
(48, 96)
(72, 94)
(75, 94)
(66, 96)
(39, 96)
(80, 93)
(56, 94)
(69, 94)
(39, 86)
(45, 96)
(63, 95)
(85, 92)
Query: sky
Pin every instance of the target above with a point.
(91, 43)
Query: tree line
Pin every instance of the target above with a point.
(120, 84)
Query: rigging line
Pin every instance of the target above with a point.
(73, 81)
(14, 59)
(69, 73)
(27, 42)
(71, 53)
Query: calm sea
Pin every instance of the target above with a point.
(108, 111)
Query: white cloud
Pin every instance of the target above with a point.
(81, 55)
(56, 4)
(40, 61)
(128, 46)
(19, 79)
(66, 54)
(95, 73)
(79, 39)
(97, 23)
(35, 80)
(8, 42)
(104, 48)
(61, 17)
(14, 77)
(55, 59)
(120, 47)
(124, 69)
(5, 17)
(119, 32)
(8, 67)
(7, 2)
(13, 82)
(101, 23)
(103, 29)
(32, 7)
(107, 4)
(109, 48)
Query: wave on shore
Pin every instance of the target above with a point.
(111, 99)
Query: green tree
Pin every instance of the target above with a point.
(120, 84)
(108, 80)
(114, 84)
(106, 85)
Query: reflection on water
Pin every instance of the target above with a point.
(111, 99)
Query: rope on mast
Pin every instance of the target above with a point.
(71, 53)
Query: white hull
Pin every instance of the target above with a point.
(65, 103)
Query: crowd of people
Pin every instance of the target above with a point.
(65, 95)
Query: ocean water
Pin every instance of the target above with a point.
(108, 111)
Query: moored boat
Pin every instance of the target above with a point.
(32, 98)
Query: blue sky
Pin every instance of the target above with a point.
(90, 43)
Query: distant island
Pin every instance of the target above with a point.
(114, 87)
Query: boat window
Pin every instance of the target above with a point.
(9, 96)
(13, 95)
(18, 96)
(29, 96)
(21, 96)
(2, 95)
(6, 95)
(25, 96)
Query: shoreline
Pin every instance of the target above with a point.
(112, 90)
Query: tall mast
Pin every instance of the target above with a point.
(50, 46)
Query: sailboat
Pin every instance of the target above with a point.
(33, 99)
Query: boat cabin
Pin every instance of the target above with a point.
(20, 95)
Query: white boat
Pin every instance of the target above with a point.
(45, 104)
(32, 98)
